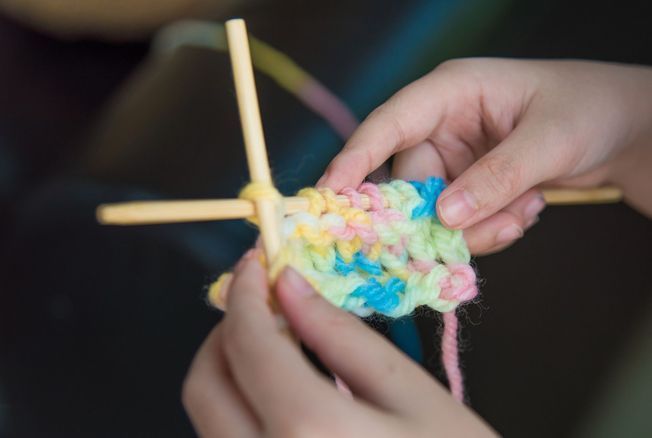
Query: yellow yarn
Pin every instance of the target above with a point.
(217, 289)
(255, 191)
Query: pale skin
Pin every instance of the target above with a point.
(250, 379)
(497, 130)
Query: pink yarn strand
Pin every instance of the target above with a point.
(322, 101)
(450, 356)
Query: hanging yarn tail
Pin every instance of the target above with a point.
(450, 356)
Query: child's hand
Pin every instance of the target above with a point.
(498, 128)
(250, 379)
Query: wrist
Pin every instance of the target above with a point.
(631, 169)
(629, 92)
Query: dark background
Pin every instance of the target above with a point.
(98, 324)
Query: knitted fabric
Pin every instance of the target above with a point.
(388, 259)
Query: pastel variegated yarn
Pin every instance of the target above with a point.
(388, 259)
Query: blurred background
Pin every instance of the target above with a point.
(98, 324)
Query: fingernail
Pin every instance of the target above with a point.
(509, 233)
(297, 284)
(457, 208)
(533, 208)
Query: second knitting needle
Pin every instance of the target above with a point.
(162, 212)
(267, 210)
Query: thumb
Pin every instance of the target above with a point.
(522, 161)
(372, 367)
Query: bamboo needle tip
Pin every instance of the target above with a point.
(99, 216)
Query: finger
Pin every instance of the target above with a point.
(526, 158)
(265, 363)
(218, 293)
(213, 403)
(406, 119)
(506, 226)
(372, 367)
(495, 249)
(500, 247)
(418, 162)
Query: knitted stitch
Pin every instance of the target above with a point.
(387, 260)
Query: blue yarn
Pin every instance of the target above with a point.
(364, 264)
(341, 267)
(429, 190)
(360, 262)
(383, 298)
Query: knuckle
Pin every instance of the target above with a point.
(504, 176)
(400, 136)
(365, 158)
(388, 114)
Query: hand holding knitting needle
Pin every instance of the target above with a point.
(499, 129)
(249, 379)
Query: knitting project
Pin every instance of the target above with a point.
(389, 259)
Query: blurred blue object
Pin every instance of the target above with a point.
(405, 335)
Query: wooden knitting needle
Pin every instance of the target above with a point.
(268, 211)
(600, 195)
(161, 212)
